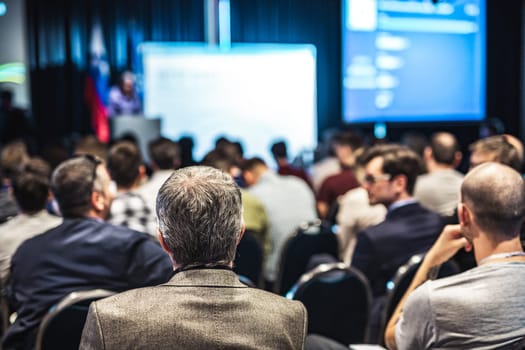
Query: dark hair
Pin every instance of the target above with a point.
(200, 216)
(348, 138)
(444, 147)
(278, 150)
(124, 162)
(31, 186)
(251, 163)
(500, 149)
(397, 160)
(218, 160)
(164, 153)
(72, 183)
(496, 195)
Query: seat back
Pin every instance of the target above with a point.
(399, 284)
(62, 326)
(338, 301)
(309, 239)
(249, 258)
(4, 312)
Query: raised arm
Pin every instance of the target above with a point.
(449, 242)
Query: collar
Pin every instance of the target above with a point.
(205, 277)
(401, 203)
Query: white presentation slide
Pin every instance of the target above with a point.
(13, 55)
(251, 93)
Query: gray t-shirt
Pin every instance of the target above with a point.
(483, 308)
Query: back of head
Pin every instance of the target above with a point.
(347, 138)
(497, 149)
(444, 148)
(124, 161)
(278, 150)
(13, 158)
(164, 153)
(218, 160)
(200, 216)
(397, 160)
(72, 183)
(31, 186)
(252, 164)
(91, 145)
(496, 195)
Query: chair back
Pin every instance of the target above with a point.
(309, 239)
(249, 258)
(5, 312)
(398, 285)
(61, 327)
(338, 301)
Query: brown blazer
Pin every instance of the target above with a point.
(196, 309)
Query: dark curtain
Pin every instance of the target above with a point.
(316, 22)
(59, 33)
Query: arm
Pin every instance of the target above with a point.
(448, 243)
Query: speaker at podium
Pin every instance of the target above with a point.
(142, 129)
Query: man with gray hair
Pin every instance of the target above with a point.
(482, 308)
(204, 306)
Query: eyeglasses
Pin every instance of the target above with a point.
(372, 179)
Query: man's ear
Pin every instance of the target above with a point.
(427, 153)
(165, 246)
(463, 215)
(241, 234)
(400, 183)
(97, 201)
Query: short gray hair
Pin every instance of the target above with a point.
(199, 211)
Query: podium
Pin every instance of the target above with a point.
(142, 129)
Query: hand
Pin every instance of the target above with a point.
(449, 242)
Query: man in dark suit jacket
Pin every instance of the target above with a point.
(203, 306)
(408, 229)
(82, 253)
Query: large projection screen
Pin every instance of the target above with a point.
(13, 56)
(413, 60)
(252, 93)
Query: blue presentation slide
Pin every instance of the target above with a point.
(413, 61)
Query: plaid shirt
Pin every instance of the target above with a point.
(129, 209)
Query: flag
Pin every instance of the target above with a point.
(96, 84)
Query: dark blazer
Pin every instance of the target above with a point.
(79, 254)
(196, 309)
(381, 249)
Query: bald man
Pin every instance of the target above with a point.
(438, 189)
(483, 307)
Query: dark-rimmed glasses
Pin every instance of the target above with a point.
(372, 179)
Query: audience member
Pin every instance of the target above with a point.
(123, 99)
(288, 202)
(90, 144)
(82, 253)
(408, 229)
(482, 308)
(12, 160)
(129, 208)
(280, 154)
(164, 157)
(495, 149)
(355, 214)
(438, 190)
(345, 146)
(31, 191)
(186, 151)
(254, 214)
(204, 306)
